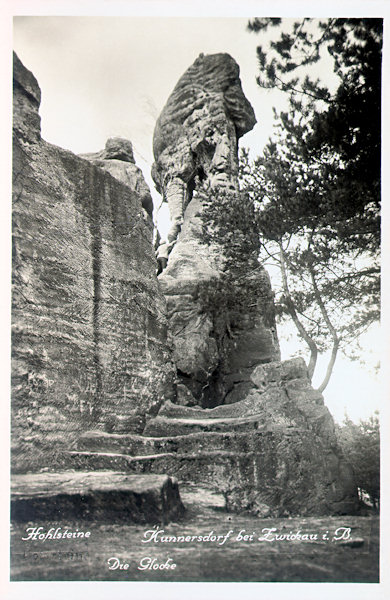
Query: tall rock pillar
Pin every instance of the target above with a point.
(196, 170)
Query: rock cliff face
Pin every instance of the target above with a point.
(89, 326)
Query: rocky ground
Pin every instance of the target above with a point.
(353, 560)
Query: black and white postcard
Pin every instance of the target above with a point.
(196, 397)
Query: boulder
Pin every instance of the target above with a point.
(103, 496)
(117, 159)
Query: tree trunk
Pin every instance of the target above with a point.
(329, 370)
(332, 330)
(291, 308)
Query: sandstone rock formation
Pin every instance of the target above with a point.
(197, 133)
(117, 159)
(273, 453)
(280, 455)
(94, 385)
(195, 147)
(89, 326)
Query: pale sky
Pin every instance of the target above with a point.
(111, 76)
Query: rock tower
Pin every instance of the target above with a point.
(196, 165)
(264, 432)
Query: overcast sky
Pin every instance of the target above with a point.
(107, 76)
(111, 76)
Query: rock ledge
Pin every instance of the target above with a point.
(105, 495)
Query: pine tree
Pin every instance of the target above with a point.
(316, 186)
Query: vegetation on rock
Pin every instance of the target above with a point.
(229, 220)
(361, 445)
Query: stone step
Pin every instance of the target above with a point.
(213, 467)
(249, 468)
(254, 404)
(105, 495)
(146, 459)
(196, 457)
(167, 426)
(136, 445)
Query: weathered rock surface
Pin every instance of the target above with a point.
(271, 453)
(26, 101)
(92, 365)
(269, 441)
(268, 473)
(103, 496)
(198, 130)
(89, 325)
(195, 148)
(117, 159)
